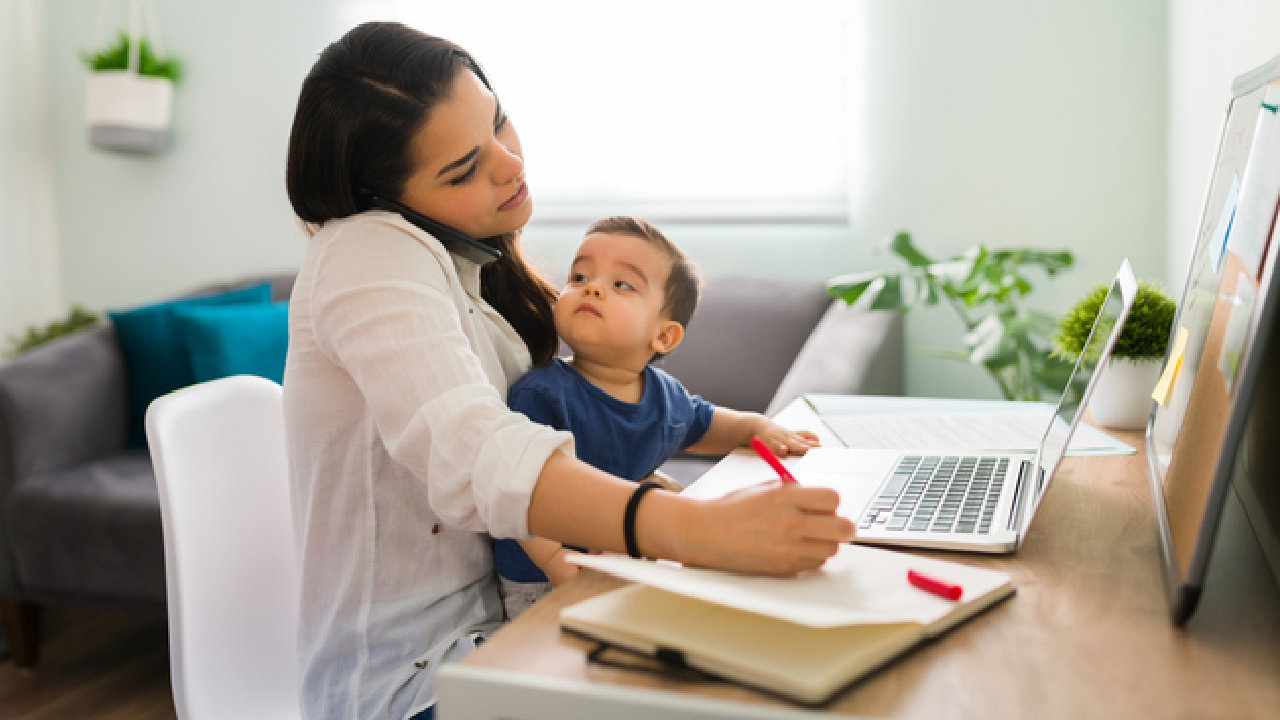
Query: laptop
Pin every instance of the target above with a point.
(979, 501)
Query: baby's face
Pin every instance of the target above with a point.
(611, 309)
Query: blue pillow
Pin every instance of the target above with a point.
(155, 358)
(224, 340)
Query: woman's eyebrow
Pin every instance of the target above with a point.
(460, 161)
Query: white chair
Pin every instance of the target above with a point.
(232, 580)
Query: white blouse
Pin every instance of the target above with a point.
(404, 460)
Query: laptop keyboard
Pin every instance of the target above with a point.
(939, 493)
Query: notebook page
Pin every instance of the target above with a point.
(857, 586)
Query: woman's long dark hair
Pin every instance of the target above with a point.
(359, 109)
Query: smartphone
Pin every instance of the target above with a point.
(453, 241)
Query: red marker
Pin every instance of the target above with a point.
(932, 585)
(763, 451)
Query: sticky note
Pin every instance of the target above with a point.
(1161, 393)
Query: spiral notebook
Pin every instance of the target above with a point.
(803, 638)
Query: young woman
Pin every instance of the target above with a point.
(405, 460)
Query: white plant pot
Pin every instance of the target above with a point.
(127, 111)
(1122, 398)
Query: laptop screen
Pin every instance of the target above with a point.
(1106, 328)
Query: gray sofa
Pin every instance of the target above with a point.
(80, 518)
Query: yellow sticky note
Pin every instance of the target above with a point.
(1161, 393)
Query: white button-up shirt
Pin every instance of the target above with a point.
(404, 460)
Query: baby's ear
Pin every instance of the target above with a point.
(670, 333)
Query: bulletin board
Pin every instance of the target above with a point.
(1210, 369)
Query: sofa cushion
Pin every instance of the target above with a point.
(155, 359)
(850, 352)
(91, 530)
(743, 338)
(223, 340)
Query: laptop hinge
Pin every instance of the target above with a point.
(1015, 517)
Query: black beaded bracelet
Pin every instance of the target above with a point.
(629, 517)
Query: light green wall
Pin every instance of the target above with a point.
(211, 208)
(997, 121)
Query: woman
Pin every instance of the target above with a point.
(404, 457)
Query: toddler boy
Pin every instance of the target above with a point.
(629, 296)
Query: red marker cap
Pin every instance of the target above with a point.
(942, 589)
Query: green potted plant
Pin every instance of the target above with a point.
(1122, 398)
(129, 98)
(985, 287)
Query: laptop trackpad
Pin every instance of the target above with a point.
(854, 473)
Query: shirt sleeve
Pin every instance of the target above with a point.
(384, 312)
(699, 410)
(537, 402)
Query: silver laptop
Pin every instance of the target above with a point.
(979, 501)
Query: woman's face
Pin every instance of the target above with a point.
(469, 167)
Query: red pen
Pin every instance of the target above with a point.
(763, 451)
(933, 585)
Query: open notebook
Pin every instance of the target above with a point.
(804, 638)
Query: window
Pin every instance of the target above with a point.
(680, 111)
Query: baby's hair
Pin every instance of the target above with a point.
(684, 283)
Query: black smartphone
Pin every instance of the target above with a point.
(453, 241)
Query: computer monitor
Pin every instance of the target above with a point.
(1214, 377)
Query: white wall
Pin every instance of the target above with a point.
(1016, 123)
(30, 277)
(1210, 43)
(994, 121)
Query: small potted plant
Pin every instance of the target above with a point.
(1122, 398)
(130, 91)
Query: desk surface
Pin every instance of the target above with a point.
(1087, 635)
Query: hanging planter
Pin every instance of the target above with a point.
(129, 100)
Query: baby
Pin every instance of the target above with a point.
(629, 297)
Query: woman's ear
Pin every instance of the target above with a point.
(669, 335)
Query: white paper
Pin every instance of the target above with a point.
(1260, 187)
(857, 586)
(1008, 431)
(1233, 338)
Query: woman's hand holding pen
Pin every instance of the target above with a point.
(771, 528)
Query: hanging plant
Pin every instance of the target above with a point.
(130, 89)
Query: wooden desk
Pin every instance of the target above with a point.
(1087, 635)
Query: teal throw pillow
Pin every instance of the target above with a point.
(155, 358)
(223, 340)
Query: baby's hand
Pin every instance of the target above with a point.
(786, 442)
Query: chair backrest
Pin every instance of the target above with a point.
(232, 579)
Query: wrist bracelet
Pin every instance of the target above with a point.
(629, 517)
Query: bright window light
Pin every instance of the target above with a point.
(677, 110)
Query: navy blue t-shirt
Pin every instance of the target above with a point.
(629, 440)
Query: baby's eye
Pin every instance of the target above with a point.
(575, 278)
(623, 285)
